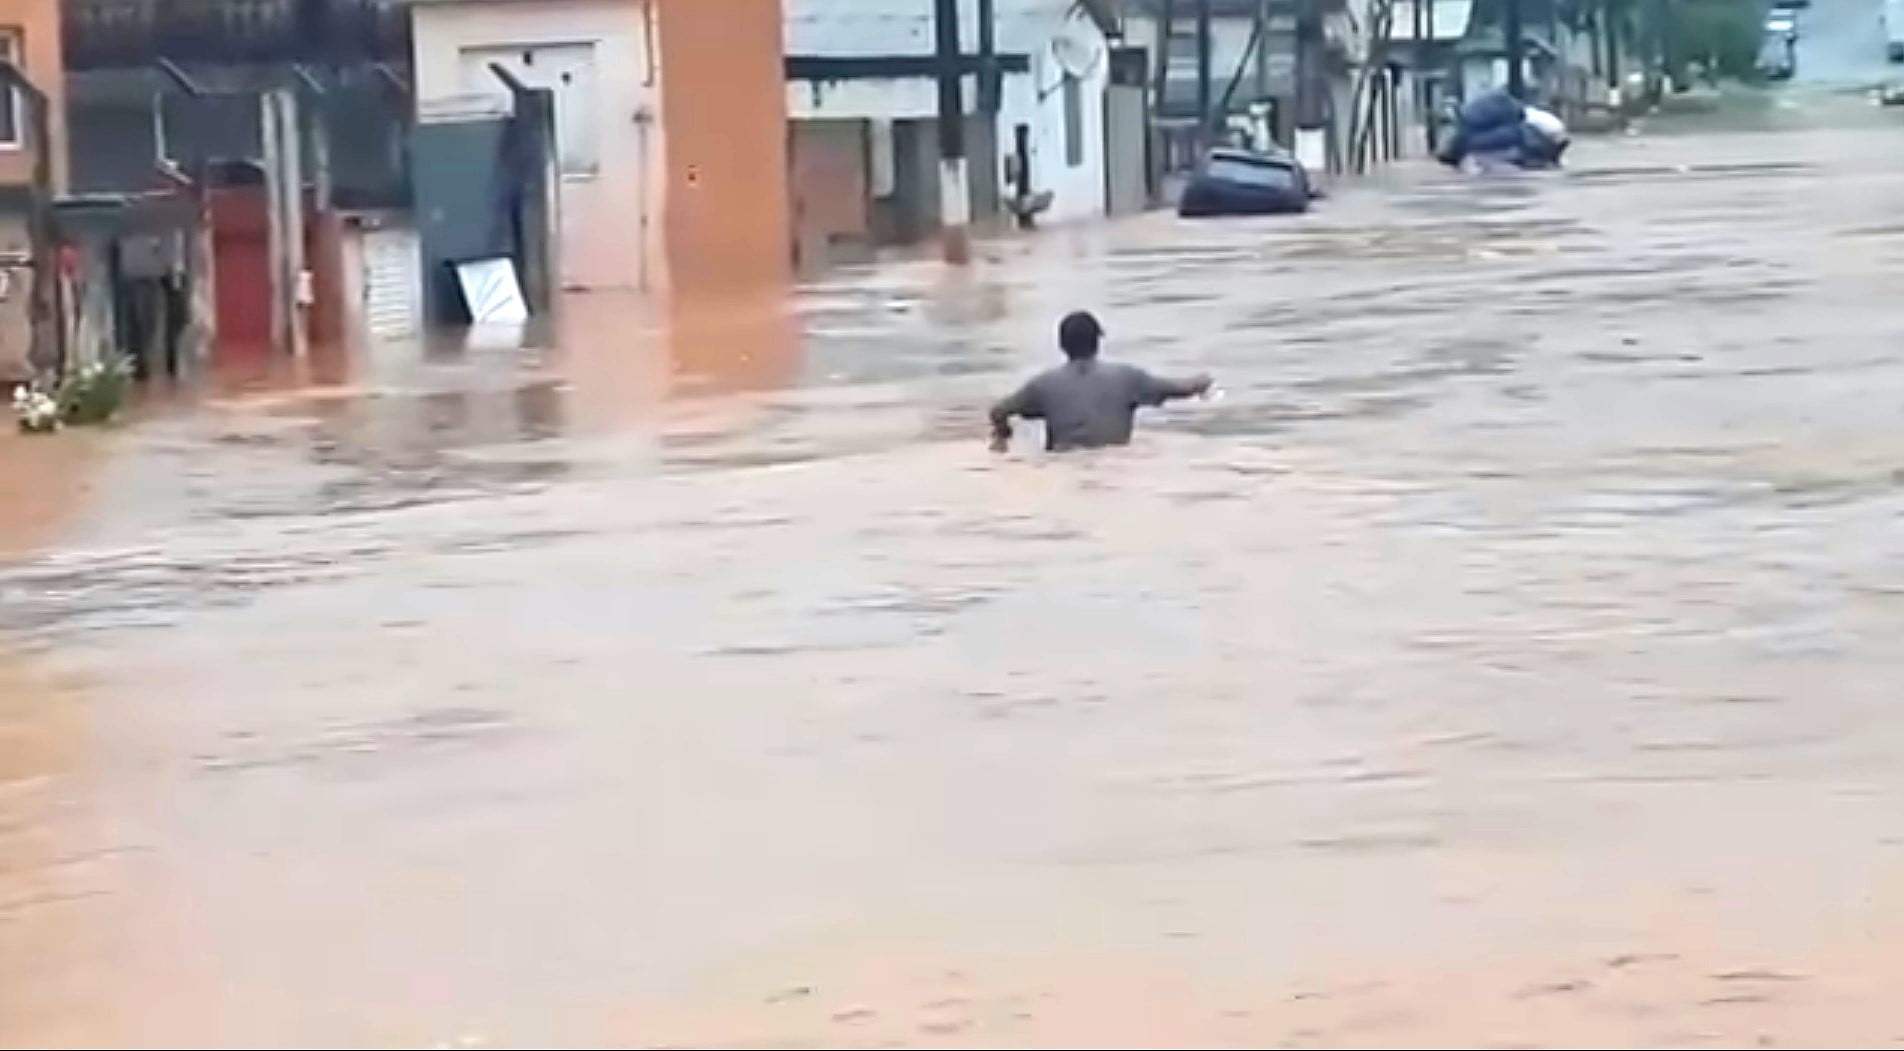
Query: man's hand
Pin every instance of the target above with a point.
(1001, 443)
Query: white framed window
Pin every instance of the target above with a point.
(12, 111)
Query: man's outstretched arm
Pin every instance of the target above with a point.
(1157, 389)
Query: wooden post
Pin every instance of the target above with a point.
(991, 89)
(269, 149)
(533, 169)
(1418, 65)
(541, 203)
(1611, 17)
(284, 195)
(204, 277)
(1432, 85)
(1516, 45)
(990, 80)
(1206, 102)
(1166, 26)
(320, 125)
(1263, 84)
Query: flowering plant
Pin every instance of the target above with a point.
(37, 411)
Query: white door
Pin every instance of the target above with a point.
(567, 70)
(393, 283)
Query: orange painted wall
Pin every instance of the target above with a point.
(724, 110)
(38, 22)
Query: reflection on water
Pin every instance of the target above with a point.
(692, 674)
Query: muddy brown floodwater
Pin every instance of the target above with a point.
(1510, 657)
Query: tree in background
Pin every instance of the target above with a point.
(1721, 35)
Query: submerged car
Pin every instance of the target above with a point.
(1246, 182)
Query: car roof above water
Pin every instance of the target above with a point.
(1268, 159)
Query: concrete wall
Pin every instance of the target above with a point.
(831, 201)
(728, 224)
(887, 98)
(610, 229)
(875, 27)
(38, 23)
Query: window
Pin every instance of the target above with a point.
(10, 108)
(1073, 121)
(567, 70)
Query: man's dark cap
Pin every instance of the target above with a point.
(1079, 332)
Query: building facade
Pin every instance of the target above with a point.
(30, 40)
(1253, 60)
(862, 95)
(669, 119)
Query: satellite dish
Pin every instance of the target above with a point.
(1078, 49)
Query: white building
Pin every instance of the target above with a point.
(863, 95)
(670, 126)
(597, 57)
(1252, 59)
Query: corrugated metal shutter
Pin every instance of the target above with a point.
(392, 283)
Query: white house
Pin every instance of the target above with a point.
(862, 93)
(1252, 59)
(670, 126)
(1234, 51)
(598, 58)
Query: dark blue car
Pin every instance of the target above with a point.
(1245, 182)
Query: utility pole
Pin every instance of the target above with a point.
(1417, 65)
(955, 199)
(284, 194)
(1553, 27)
(1167, 24)
(1262, 51)
(990, 89)
(1611, 16)
(1511, 33)
(1206, 117)
(1662, 41)
(989, 82)
(1428, 86)
(1312, 106)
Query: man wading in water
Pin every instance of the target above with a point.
(1086, 403)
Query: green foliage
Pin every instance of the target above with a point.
(1722, 35)
(95, 393)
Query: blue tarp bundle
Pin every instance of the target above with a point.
(1493, 128)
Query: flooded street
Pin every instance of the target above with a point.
(1508, 657)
